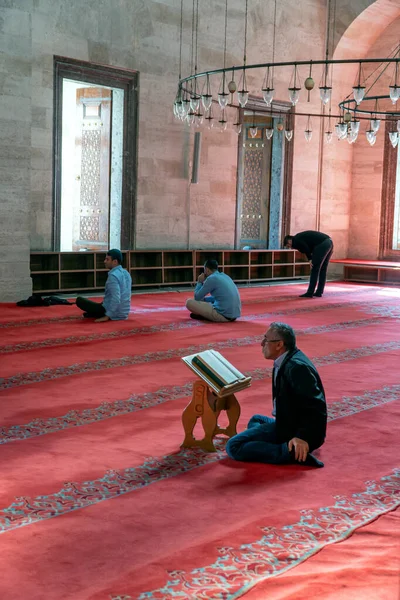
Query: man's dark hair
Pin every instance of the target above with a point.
(211, 264)
(287, 238)
(115, 255)
(285, 333)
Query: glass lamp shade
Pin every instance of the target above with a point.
(194, 103)
(341, 130)
(325, 94)
(223, 99)
(351, 137)
(190, 117)
(237, 127)
(269, 132)
(243, 97)
(375, 124)
(223, 124)
(268, 95)
(294, 94)
(359, 93)
(394, 138)
(206, 101)
(232, 86)
(210, 122)
(394, 92)
(198, 119)
(371, 137)
(253, 131)
(288, 134)
(398, 126)
(185, 107)
(308, 134)
(328, 136)
(355, 127)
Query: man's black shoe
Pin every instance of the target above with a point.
(310, 461)
(306, 295)
(317, 295)
(198, 317)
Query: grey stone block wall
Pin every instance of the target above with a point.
(144, 36)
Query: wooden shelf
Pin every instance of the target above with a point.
(53, 272)
(370, 271)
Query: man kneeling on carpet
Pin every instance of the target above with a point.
(117, 294)
(216, 297)
(299, 406)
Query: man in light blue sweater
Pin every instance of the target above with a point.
(216, 297)
(117, 294)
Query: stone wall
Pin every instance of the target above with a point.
(144, 36)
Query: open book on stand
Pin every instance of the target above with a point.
(219, 374)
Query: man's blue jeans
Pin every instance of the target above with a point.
(258, 443)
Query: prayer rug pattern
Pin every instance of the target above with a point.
(98, 501)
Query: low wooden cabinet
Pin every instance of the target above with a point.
(53, 272)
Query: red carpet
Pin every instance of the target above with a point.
(97, 500)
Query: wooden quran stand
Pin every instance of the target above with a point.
(207, 405)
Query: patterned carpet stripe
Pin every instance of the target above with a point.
(238, 569)
(75, 496)
(268, 300)
(388, 312)
(54, 373)
(108, 410)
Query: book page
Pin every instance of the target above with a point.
(212, 361)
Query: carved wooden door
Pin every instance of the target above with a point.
(254, 174)
(92, 167)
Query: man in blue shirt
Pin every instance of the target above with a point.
(216, 297)
(117, 294)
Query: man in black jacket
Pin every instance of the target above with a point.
(299, 407)
(318, 248)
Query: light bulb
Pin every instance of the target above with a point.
(342, 130)
(194, 103)
(210, 122)
(371, 137)
(294, 94)
(308, 134)
(198, 119)
(375, 124)
(268, 95)
(223, 99)
(243, 97)
(358, 92)
(325, 94)
(185, 107)
(206, 101)
(288, 134)
(253, 131)
(394, 138)
(394, 92)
